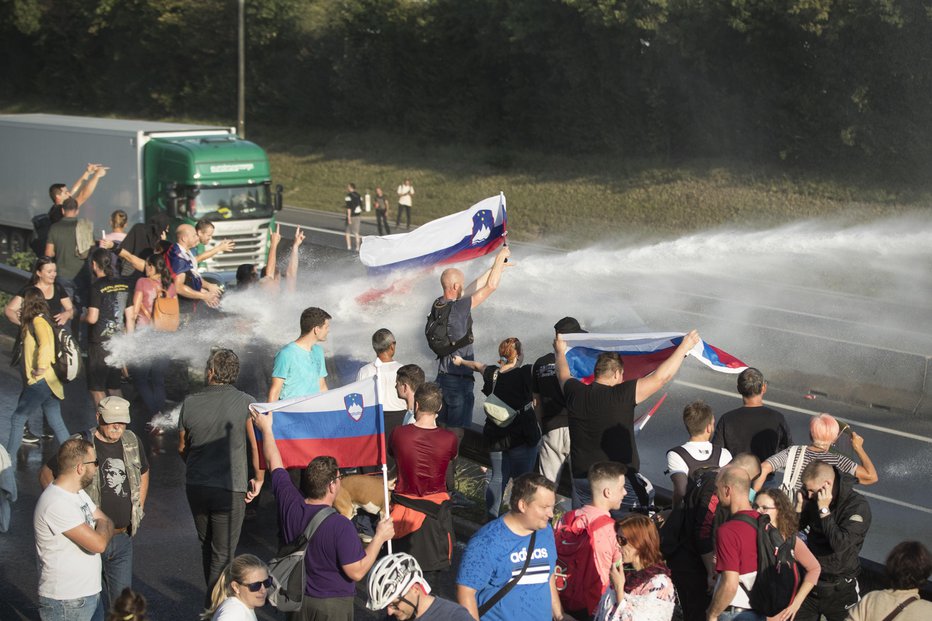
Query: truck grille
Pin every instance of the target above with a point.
(250, 248)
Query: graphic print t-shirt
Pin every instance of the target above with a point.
(109, 297)
(494, 555)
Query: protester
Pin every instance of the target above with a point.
(105, 316)
(242, 587)
(594, 530)
(71, 533)
(457, 382)
(550, 406)
(909, 566)
(81, 190)
(382, 205)
(754, 427)
(641, 589)
(683, 461)
(838, 519)
(512, 448)
(119, 487)
(735, 550)
(385, 367)
(602, 413)
(140, 242)
(335, 558)
(213, 444)
(42, 390)
(823, 430)
(777, 506)
(205, 234)
(421, 510)
(397, 586)
(517, 546)
(188, 282)
(353, 205)
(300, 370)
(118, 220)
(407, 380)
(69, 242)
(149, 373)
(44, 273)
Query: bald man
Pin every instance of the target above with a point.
(191, 288)
(456, 382)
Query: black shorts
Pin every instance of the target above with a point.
(100, 377)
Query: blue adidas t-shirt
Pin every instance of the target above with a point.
(494, 555)
(302, 370)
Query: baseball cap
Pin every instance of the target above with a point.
(114, 410)
(568, 325)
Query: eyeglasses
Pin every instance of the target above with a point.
(96, 462)
(762, 508)
(621, 539)
(255, 586)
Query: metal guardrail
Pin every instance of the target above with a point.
(12, 279)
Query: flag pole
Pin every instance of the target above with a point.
(382, 443)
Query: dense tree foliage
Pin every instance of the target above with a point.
(808, 81)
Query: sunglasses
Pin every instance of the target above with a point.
(621, 539)
(255, 586)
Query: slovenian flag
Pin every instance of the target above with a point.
(345, 423)
(641, 353)
(458, 237)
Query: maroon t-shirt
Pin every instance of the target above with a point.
(736, 546)
(422, 456)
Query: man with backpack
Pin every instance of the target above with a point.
(693, 467)
(449, 334)
(838, 519)
(735, 549)
(335, 558)
(586, 542)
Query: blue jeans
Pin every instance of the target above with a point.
(505, 466)
(150, 384)
(458, 399)
(81, 609)
(117, 562)
(744, 615)
(37, 397)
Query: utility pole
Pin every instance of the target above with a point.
(241, 82)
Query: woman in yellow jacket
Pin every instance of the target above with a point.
(42, 388)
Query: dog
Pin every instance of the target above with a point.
(362, 491)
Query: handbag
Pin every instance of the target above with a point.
(496, 410)
(502, 592)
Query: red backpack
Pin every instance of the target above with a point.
(576, 576)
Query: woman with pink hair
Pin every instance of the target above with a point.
(824, 432)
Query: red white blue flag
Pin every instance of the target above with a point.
(461, 236)
(346, 423)
(641, 353)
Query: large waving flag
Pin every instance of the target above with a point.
(641, 353)
(458, 237)
(345, 423)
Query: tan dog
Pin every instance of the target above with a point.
(362, 491)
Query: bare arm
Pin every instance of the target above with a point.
(13, 308)
(561, 365)
(679, 486)
(477, 367)
(721, 599)
(271, 260)
(255, 484)
(383, 532)
(291, 274)
(67, 311)
(45, 476)
(92, 315)
(765, 470)
(483, 286)
(90, 185)
(323, 385)
(144, 489)
(182, 444)
(224, 246)
(650, 384)
(49, 249)
(204, 294)
(87, 174)
(275, 388)
(138, 264)
(138, 310)
(93, 540)
(466, 597)
(866, 473)
(556, 606)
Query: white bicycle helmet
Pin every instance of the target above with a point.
(391, 577)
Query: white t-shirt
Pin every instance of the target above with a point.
(66, 571)
(698, 450)
(231, 609)
(387, 371)
(404, 194)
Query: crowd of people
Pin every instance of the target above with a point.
(612, 556)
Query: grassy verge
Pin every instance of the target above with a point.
(565, 200)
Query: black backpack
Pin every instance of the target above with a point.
(689, 525)
(777, 575)
(437, 330)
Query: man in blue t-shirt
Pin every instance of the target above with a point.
(498, 551)
(299, 369)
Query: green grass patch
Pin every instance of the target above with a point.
(565, 200)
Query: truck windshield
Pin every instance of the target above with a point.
(235, 203)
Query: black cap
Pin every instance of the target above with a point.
(568, 325)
